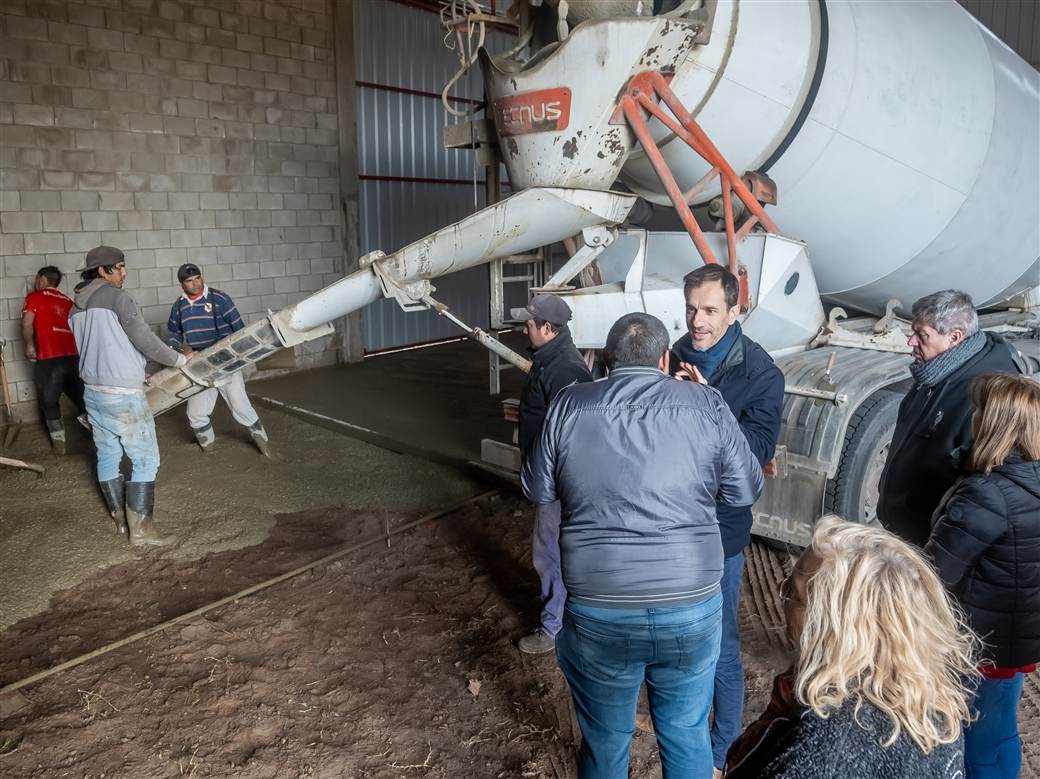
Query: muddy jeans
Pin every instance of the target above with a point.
(122, 422)
(545, 556)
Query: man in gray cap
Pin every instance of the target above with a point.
(555, 364)
(115, 344)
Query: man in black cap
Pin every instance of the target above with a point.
(114, 345)
(556, 364)
(199, 318)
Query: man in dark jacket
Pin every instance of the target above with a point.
(717, 352)
(639, 461)
(933, 428)
(555, 364)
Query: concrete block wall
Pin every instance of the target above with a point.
(177, 130)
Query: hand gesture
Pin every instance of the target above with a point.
(688, 372)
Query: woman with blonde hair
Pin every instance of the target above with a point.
(877, 687)
(986, 545)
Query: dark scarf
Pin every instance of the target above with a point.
(938, 368)
(708, 361)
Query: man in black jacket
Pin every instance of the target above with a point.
(716, 352)
(933, 429)
(556, 364)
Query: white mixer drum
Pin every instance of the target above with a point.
(904, 139)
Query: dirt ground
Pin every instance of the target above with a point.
(396, 661)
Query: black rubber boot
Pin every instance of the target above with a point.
(56, 430)
(140, 505)
(114, 491)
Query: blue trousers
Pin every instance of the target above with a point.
(992, 748)
(122, 423)
(545, 556)
(728, 704)
(606, 654)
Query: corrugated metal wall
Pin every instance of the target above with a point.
(1016, 22)
(400, 136)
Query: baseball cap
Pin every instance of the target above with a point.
(187, 270)
(101, 255)
(548, 308)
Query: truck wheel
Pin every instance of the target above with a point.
(853, 492)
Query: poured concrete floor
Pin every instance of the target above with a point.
(55, 530)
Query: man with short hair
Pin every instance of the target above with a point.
(51, 346)
(115, 344)
(199, 318)
(716, 351)
(933, 428)
(555, 364)
(639, 462)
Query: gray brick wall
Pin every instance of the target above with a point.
(177, 130)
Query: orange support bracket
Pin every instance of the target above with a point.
(641, 98)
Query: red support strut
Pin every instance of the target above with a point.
(642, 97)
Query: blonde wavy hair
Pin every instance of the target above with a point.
(881, 629)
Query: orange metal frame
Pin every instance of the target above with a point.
(643, 96)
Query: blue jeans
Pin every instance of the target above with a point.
(545, 556)
(728, 705)
(122, 423)
(992, 748)
(605, 654)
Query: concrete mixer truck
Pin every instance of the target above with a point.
(903, 141)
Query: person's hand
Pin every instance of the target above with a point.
(688, 372)
(30, 352)
(186, 350)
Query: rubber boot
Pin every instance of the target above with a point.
(256, 430)
(205, 436)
(114, 491)
(56, 430)
(140, 505)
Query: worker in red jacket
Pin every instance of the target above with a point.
(49, 344)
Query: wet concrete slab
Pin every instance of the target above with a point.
(55, 530)
(432, 400)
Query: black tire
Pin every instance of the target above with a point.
(853, 491)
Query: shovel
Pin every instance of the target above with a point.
(13, 427)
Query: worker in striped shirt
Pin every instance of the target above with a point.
(199, 318)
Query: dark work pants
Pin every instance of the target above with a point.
(55, 376)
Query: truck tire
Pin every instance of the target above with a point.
(853, 492)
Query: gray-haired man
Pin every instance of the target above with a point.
(933, 429)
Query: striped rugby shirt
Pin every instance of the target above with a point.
(204, 321)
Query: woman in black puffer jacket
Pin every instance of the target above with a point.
(985, 542)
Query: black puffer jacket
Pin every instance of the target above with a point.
(986, 545)
(556, 365)
(932, 437)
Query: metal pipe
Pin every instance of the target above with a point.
(837, 398)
